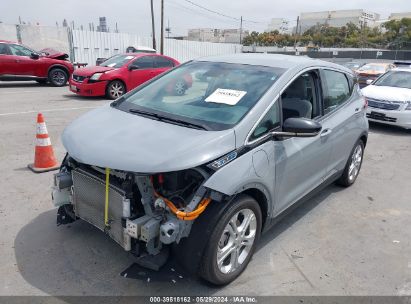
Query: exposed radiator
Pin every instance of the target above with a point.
(89, 202)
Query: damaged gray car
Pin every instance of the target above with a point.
(203, 174)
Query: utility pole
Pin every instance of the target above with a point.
(241, 29)
(162, 28)
(153, 31)
(296, 32)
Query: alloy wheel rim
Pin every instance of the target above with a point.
(116, 90)
(59, 77)
(355, 164)
(236, 241)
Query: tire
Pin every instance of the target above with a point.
(41, 81)
(353, 166)
(180, 88)
(227, 241)
(115, 89)
(58, 77)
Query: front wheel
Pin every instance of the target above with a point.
(58, 77)
(232, 242)
(115, 89)
(353, 166)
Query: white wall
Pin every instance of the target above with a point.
(41, 37)
(8, 32)
(88, 46)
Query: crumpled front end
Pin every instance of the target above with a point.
(141, 212)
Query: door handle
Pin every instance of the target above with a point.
(325, 132)
(17, 60)
(357, 110)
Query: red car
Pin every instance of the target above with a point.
(122, 73)
(18, 62)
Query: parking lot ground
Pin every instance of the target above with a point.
(354, 241)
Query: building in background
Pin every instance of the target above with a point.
(399, 16)
(339, 18)
(102, 27)
(216, 35)
(279, 24)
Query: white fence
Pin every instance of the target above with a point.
(88, 46)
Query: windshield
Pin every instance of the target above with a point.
(117, 61)
(213, 95)
(399, 79)
(373, 67)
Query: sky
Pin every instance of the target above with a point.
(133, 16)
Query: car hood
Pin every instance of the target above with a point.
(54, 54)
(387, 93)
(88, 71)
(107, 137)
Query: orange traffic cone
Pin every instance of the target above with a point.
(44, 159)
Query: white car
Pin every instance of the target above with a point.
(389, 98)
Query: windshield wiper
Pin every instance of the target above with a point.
(168, 119)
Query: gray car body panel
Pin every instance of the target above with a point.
(283, 170)
(107, 137)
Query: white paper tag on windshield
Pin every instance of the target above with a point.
(111, 65)
(129, 57)
(230, 97)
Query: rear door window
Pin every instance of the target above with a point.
(336, 89)
(145, 62)
(162, 62)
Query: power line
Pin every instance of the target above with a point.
(208, 16)
(221, 14)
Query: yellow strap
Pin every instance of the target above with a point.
(106, 204)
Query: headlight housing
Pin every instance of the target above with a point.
(95, 77)
(408, 108)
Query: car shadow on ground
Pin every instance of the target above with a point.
(85, 98)
(376, 127)
(78, 259)
(23, 84)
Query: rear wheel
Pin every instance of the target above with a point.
(115, 89)
(58, 77)
(232, 242)
(353, 166)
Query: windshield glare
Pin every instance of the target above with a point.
(215, 95)
(399, 79)
(117, 61)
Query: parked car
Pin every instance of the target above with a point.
(205, 173)
(353, 65)
(20, 63)
(122, 73)
(131, 49)
(371, 71)
(389, 98)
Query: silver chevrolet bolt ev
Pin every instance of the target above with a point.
(204, 173)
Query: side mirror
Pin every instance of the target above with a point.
(34, 56)
(369, 81)
(299, 127)
(132, 67)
